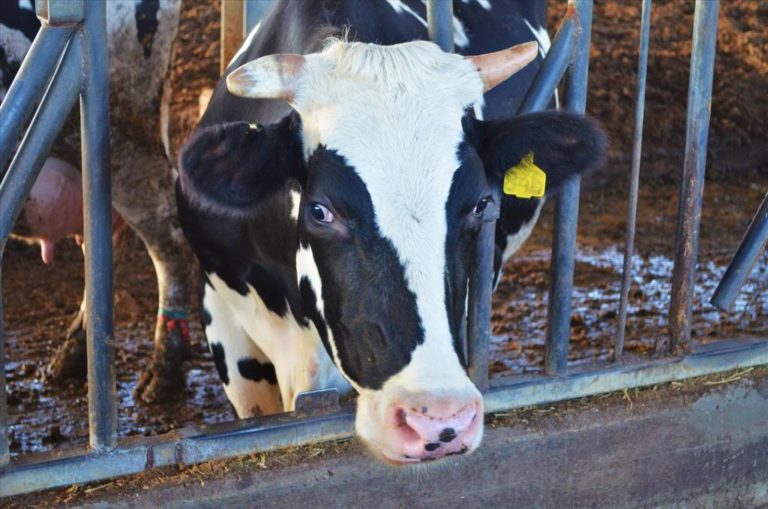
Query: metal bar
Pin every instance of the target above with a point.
(567, 208)
(231, 31)
(708, 360)
(39, 471)
(479, 312)
(97, 221)
(5, 452)
(692, 186)
(740, 267)
(634, 178)
(552, 69)
(15, 186)
(34, 148)
(255, 10)
(440, 23)
(29, 85)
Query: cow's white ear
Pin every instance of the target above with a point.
(494, 68)
(270, 77)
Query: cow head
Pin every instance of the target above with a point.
(396, 177)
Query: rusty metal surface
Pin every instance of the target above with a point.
(692, 185)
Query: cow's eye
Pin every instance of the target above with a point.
(481, 205)
(320, 213)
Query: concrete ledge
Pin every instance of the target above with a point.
(697, 444)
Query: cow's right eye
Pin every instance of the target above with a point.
(320, 213)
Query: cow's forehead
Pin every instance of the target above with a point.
(399, 129)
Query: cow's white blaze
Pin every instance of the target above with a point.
(394, 113)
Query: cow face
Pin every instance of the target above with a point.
(396, 180)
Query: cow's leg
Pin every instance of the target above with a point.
(248, 376)
(70, 360)
(143, 195)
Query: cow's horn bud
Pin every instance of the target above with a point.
(270, 77)
(496, 67)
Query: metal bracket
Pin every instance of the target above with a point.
(323, 401)
(59, 12)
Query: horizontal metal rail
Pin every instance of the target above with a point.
(188, 446)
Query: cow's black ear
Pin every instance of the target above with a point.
(231, 168)
(562, 144)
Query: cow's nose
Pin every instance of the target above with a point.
(443, 428)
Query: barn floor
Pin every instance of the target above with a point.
(701, 443)
(39, 300)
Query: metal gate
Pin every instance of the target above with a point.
(70, 53)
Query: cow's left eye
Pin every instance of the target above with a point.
(320, 213)
(481, 205)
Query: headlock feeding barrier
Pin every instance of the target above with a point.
(68, 59)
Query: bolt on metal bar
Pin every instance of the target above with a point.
(440, 23)
(15, 186)
(552, 69)
(29, 85)
(97, 220)
(744, 260)
(567, 208)
(634, 178)
(692, 186)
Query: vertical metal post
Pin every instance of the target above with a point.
(567, 208)
(440, 23)
(740, 267)
(692, 186)
(5, 453)
(231, 31)
(634, 178)
(97, 216)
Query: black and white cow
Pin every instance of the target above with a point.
(141, 37)
(333, 192)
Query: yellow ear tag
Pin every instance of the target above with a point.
(525, 179)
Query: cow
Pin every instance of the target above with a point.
(141, 36)
(333, 192)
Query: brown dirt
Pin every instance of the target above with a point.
(40, 300)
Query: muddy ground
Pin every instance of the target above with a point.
(40, 300)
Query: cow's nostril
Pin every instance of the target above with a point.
(432, 446)
(447, 435)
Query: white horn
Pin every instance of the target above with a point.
(496, 67)
(270, 77)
